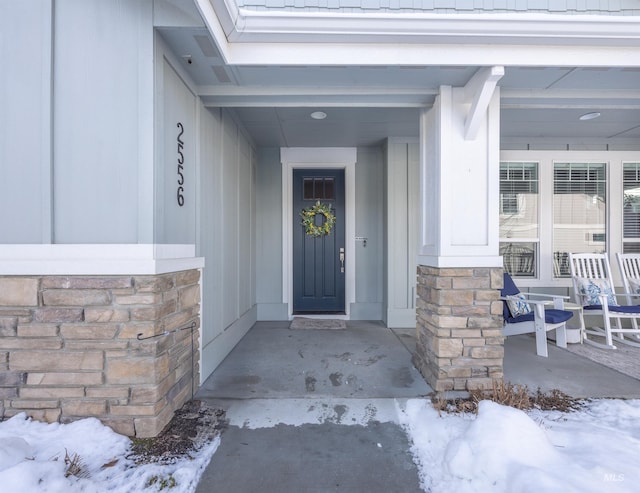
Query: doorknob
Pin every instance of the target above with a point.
(341, 257)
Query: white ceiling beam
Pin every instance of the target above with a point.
(291, 96)
(230, 91)
(479, 91)
(564, 106)
(505, 94)
(305, 103)
(571, 94)
(294, 96)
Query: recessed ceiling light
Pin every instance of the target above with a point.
(318, 115)
(590, 116)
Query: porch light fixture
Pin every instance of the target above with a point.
(318, 115)
(590, 116)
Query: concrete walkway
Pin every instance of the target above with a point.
(314, 411)
(317, 410)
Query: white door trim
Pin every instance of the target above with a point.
(318, 157)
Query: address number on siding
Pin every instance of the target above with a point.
(180, 191)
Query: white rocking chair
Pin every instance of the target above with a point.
(593, 289)
(629, 264)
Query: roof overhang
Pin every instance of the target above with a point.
(316, 38)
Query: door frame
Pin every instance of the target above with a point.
(320, 158)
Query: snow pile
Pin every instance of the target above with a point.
(38, 457)
(507, 450)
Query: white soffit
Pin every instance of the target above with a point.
(259, 37)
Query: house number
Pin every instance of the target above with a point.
(180, 166)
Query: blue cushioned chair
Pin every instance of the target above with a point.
(537, 316)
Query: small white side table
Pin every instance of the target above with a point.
(576, 308)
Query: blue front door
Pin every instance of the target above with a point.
(318, 260)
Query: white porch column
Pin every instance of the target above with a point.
(460, 344)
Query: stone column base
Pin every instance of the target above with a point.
(460, 346)
(69, 348)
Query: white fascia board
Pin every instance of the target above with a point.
(268, 26)
(218, 20)
(107, 259)
(315, 38)
(226, 11)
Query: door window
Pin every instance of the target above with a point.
(318, 188)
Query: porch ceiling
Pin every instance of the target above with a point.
(367, 103)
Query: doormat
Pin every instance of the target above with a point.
(624, 359)
(315, 323)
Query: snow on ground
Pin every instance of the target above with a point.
(32, 460)
(501, 449)
(506, 450)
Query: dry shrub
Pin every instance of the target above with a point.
(74, 466)
(557, 401)
(508, 394)
(458, 405)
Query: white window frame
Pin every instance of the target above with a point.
(520, 213)
(590, 205)
(629, 240)
(614, 218)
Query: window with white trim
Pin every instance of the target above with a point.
(579, 212)
(631, 207)
(519, 212)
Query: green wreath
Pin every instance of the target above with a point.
(309, 220)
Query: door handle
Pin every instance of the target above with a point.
(341, 257)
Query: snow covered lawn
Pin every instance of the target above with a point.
(595, 449)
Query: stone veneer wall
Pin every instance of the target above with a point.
(69, 348)
(460, 346)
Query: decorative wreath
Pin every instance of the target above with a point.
(309, 219)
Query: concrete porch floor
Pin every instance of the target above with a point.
(316, 410)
